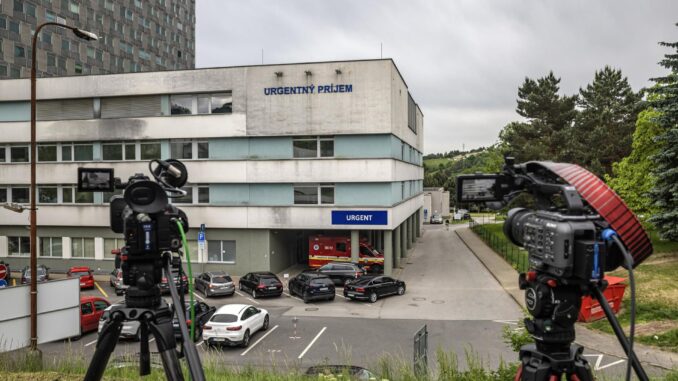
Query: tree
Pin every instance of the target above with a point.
(665, 192)
(604, 126)
(633, 176)
(548, 115)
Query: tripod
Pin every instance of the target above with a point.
(555, 309)
(157, 320)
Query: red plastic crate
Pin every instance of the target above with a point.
(614, 293)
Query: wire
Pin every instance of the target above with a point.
(632, 326)
(190, 276)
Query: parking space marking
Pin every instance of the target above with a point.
(258, 341)
(90, 343)
(253, 301)
(151, 340)
(240, 294)
(200, 343)
(341, 295)
(312, 342)
(101, 290)
(196, 295)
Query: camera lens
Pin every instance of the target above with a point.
(514, 226)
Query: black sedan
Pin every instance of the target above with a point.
(261, 283)
(312, 286)
(373, 287)
(342, 272)
(203, 313)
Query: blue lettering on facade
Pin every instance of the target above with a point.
(310, 89)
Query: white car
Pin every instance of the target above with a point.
(234, 324)
(130, 329)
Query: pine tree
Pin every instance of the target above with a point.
(604, 126)
(549, 116)
(665, 192)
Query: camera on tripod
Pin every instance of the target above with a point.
(578, 229)
(153, 230)
(147, 221)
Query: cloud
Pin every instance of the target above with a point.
(462, 60)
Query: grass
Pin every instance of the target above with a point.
(493, 235)
(434, 163)
(656, 302)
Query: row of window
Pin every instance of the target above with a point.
(110, 151)
(302, 147)
(68, 194)
(221, 251)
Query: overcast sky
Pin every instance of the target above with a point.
(462, 60)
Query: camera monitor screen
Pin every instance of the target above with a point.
(95, 180)
(477, 188)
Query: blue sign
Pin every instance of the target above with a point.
(309, 89)
(3, 283)
(359, 217)
(201, 236)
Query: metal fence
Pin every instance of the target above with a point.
(515, 256)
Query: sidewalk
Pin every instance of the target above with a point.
(603, 343)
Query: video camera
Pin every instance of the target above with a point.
(578, 229)
(147, 220)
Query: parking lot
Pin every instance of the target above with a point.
(448, 290)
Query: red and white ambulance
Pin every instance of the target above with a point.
(324, 249)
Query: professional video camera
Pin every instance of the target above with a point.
(578, 230)
(153, 230)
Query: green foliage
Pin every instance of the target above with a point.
(549, 116)
(633, 176)
(665, 192)
(603, 129)
(516, 337)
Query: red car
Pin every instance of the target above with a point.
(91, 309)
(85, 274)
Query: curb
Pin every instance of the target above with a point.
(606, 344)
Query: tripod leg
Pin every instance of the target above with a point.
(144, 353)
(163, 332)
(108, 338)
(637, 367)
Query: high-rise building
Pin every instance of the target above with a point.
(134, 36)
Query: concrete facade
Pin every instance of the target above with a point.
(248, 167)
(436, 200)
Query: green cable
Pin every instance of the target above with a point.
(190, 276)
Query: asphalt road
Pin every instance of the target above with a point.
(448, 290)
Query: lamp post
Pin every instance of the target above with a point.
(89, 36)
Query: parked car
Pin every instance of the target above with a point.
(436, 219)
(312, 286)
(261, 283)
(462, 214)
(342, 272)
(180, 281)
(214, 283)
(234, 324)
(325, 249)
(130, 329)
(116, 282)
(203, 313)
(85, 275)
(336, 371)
(8, 272)
(371, 288)
(42, 271)
(92, 308)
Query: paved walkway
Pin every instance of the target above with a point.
(603, 343)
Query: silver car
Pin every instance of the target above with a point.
(214, 283)
(130, 329)
(115, 281)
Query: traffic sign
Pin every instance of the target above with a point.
(3, 271)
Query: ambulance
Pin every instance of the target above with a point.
(323, 249)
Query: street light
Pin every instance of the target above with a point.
(85, 35)
(14, 207)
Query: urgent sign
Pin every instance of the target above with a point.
(359, 217)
